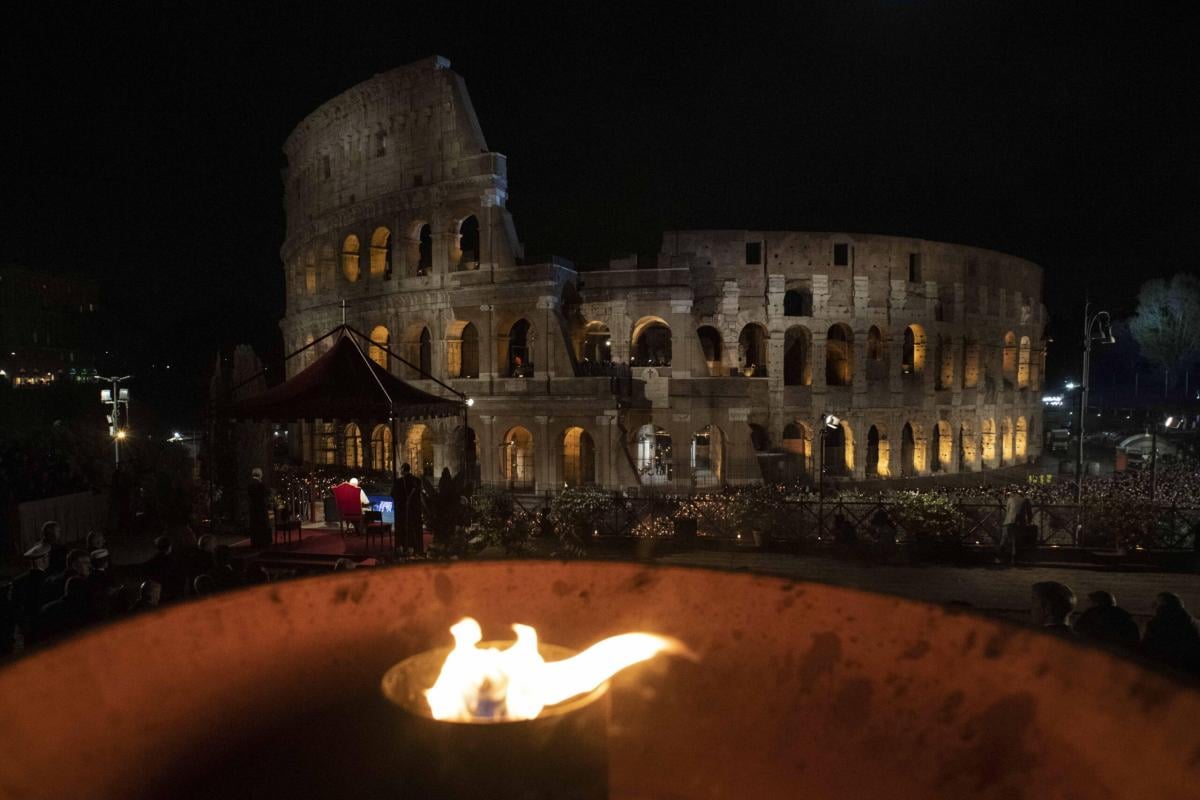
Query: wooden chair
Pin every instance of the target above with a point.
(375, 526)
(285, 523)
(349, 505)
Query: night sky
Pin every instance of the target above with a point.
(145, 146)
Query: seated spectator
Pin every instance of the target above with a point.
(1104, 622)
(78, 565)
(149, 594)
(58, 552)
(1052, 605)
(1172, 636)
(29, 588)
(164, 569)
(95, 541)
(67, 614)
(107, 595)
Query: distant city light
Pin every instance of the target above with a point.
(1070, 385)
(1052, 400)
(176, 437)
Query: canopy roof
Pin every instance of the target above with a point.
(344, 384)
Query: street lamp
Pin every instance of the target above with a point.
(116, 397)
(1096, 328)
(828, 422)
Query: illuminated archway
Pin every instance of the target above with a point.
(752, 350)
(462, 350)
(350, 255)
(381, 449)
(878, 457)
(707, 456)
(654, 460)
(578, 458)
(520, 350)
(1006, 441)
(418, 450)
(352, 446)
(1009, 358)
(1021, 440)
(987, 441)
(651, 343)
(797, 443)
(797, 356)
(839, 355)
(381, 253)
(912, 360)
(941, 450)
(516, 458)
(379, 341)
(1023, 363)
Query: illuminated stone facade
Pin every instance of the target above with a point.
(712, 365)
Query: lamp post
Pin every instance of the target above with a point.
(828, 422)
(115, 397)
(1096, 328)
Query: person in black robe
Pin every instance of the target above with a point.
(58, 550)
(29, 589)
(260, 524)
(406, 505)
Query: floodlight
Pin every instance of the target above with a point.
(830, 421)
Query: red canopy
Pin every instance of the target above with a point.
(343, 384)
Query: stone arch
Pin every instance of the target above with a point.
(910, 465)
(707, 456)
(797, 356)
(418, 449)
(519, 358)
(797, 303)
(462, 349)
(878, 453)
(968, 449)
(350, 258)
(837, 452)
(797, 443)
(1023, 363)
(752, 350)
(467, 243)
(419, 248)
(1021, 440)
(381, 253)
(710, 345)
(941, 447)
(595, 345)
(578, 458)
(987, 441)
(970, 363)
(381, 449)
(352, 446)
(654, 460)
(416, 347)
(912, 359)
(651, 343)
(839, 355)
(1008, 363)
(379, 343)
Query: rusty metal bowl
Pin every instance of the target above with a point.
(802, 690)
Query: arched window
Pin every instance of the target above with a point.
(352, 449)
(350, 265)
(797, 303)
(970, 363)
(752, 351)
(878, 453)
(797, 361)
(913, 358)
(381, 253)
(425, 354)
(418, 450)
(874, 344)
(310, 273)
(379, 336)
(520, 350)
(1021, 440)
(654, 459)
(324, 443)
(708, 456)
(381, 449)
(941, 448)
(462, 350)
(908, 451)
(710, 345)
(967, 447)
(516, 458)
(595, 350)
(1009, 364)
(424, 250)
(1023, 363)
(578, 458)
(468, 243)
(651, 343)
(839, 355)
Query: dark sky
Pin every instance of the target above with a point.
(144, 146)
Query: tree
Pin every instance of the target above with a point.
(1167, 323)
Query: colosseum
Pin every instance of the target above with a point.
(730, 357)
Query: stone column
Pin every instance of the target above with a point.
(684, 343)
(547, 333)
(491, 228)
(603, 442)
(544, 468)
(489, 345)
(489, 470)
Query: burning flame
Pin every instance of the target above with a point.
(486, 684)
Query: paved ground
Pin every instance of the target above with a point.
(991, 588)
